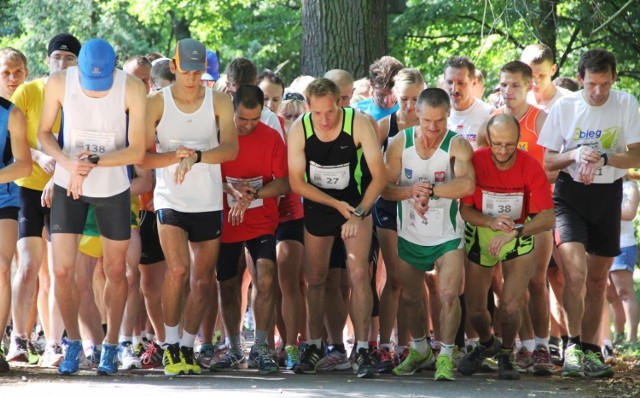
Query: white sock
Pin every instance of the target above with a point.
(530, 345)
(172, 334)
(446, 349)
(187, 339)
(317, 342)
(421, 345)
(362, 344)
(123, 339)
(136, 339)
(608, 343)
(542, 341)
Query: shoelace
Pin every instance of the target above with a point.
(148, 354)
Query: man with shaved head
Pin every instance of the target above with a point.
(498, 228)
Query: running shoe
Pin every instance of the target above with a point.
(444, 369)
(52, 356)
(189, 359)
(293, 356)
(4, 365)
(128, 356)
(573, 362)
(609, 355)
(385, 360)
(34, 354)
(542, 365)
(556, 355)
(506, 370)
(232, 359)
(174, 364)
(335, 360)
(18, 350)
(415, 361)
(594, 366)
(470, 363)
(366, 364)
(524, 360)
(108, 360)
(152, 357)
(311, 358)
(71, 362)
(264, 360)
(205, 355)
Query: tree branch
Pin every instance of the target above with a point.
(501, 32)
(569, 47)
(611, 18)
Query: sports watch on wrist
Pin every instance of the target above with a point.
(604, 156)
(93, 158)
(359, 212)
(519, 228)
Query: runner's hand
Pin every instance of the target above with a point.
(421, 206)
(47, 194)
(501, 223)
(587, 171)
(184, 166)
(350, 228)
(236, 213)
(184, 152)
(78, 164)
(421, 190)
(74, 188)
(500, 240)
(46, 163)
(345, 209)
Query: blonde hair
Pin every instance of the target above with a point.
(409, 77)
(13, 54)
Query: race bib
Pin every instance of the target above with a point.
(430, 227)
(254, 182)
(97, 142)
(502, 204)
(329, 177)
(604, 175)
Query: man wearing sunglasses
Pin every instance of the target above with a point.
(508, 182)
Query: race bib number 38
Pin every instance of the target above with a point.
(502, 204)
(329, 177)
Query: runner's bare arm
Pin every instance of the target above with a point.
(464, 180)
(21, 165)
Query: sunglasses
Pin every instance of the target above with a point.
(293, 96)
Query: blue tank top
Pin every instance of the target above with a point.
(8, 191)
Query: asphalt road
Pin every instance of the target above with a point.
(45, 383)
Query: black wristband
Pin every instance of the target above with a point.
(198, 156)
(432, 194)
(604, 156)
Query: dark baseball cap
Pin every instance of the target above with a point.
(190, 55)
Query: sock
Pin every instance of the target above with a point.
(542, 341)
(136, 340)
(362, 344)
(591, 347)
(187, 339)
(446, 350)
(472, 342)
(607, 343)
(151, 336)
(530, 345)
(400, 349)
(421, 345)
(373, 344)
(261, 337)
(489, 343)
(574, 341)
(518, 344)
(316, 342)
(99, 347)
(386, 346)
(235, 343)
(565, 341)
(553, 340)
(172, 334)
(340, 348)
(124, 339)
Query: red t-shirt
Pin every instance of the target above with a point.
(261, 159)
(509, 192)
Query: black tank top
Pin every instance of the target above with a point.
(333, 167)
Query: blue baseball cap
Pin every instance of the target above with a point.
(97, 63)
(213, 67)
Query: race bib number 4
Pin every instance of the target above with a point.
(502, 204)
(329, 177)
(97, 142)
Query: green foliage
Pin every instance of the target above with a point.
(494, 32)
(423, 34)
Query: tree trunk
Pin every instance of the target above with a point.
(343, 34)
(547, 28)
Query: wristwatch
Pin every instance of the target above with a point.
(519, 228)
(604, 156)
(359, 212)
(93, 158)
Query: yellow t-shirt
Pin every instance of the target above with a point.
(29, 97)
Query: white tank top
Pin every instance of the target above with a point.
(98, 125)
(443, 222)
(201, 190)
